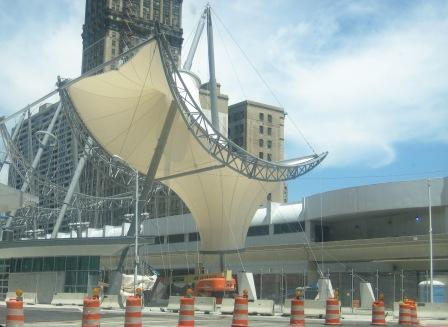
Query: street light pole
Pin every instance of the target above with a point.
(136, 259)
(136, 232)
(431, 271)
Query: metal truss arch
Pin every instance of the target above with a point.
(220, 147)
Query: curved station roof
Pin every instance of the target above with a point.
(126, 111)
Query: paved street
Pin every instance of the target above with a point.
(46, 315)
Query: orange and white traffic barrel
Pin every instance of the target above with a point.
(414, 319)
(14, 314)
(91, 312)
(404, 318)
(297, 313)
(186, 312)
(240, 312)
(332, 313)
(133, 314)
(378, 316)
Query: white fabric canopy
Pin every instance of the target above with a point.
(125, 110)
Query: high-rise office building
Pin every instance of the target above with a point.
(110, 27)
(113, 26)
(259, 129)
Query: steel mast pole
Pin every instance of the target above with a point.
(72, 187)
(194, 44)
(431, 271)
(136, 232)
(211, 68)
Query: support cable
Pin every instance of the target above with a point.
(259, 75)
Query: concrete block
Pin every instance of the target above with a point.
(227, 306)
(110, 302)
(10, 295)
(173, 303)
(68, 299)
(314, 307)
(246, 282)
(367, 297)
(262, 307)
(29, 297)
(286, 308)
(205, 303)
(325, 289)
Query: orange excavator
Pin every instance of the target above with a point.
(215, 285)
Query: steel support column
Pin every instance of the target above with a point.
(211, 68)
(72, 187)
(194, 44)
(13, 138)
(37, 157)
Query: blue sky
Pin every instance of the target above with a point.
(365, 80)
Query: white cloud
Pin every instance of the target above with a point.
(359, 103)
(36, 52)
(356, 95)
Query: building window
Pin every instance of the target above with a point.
(193, 237)
(269, 144)
(285, 228)
(260, 155)
(261, 129)
(269, 157)
(159, 240)
(269, 131)
(176, 238)
(260, 142)
(270, 118)
(261, 116)
(258, 230)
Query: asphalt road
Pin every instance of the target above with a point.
(58, 316)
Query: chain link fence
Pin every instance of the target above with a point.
(282, 286)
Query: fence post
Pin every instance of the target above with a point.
(352, 291)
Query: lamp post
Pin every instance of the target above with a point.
(136, 258)
(431, 271)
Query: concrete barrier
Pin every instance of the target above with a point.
(286, 308)
(227, 306)
(110, 302)
(68, 299)
(28, 297)
(173, 303)
(312, 308)
(10, 295)
(262, 307)
(427, 310)
(205, 303)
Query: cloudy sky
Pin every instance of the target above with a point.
(365, 80)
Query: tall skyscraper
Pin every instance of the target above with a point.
(110, 27)
(259, 129)
(113, 26)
